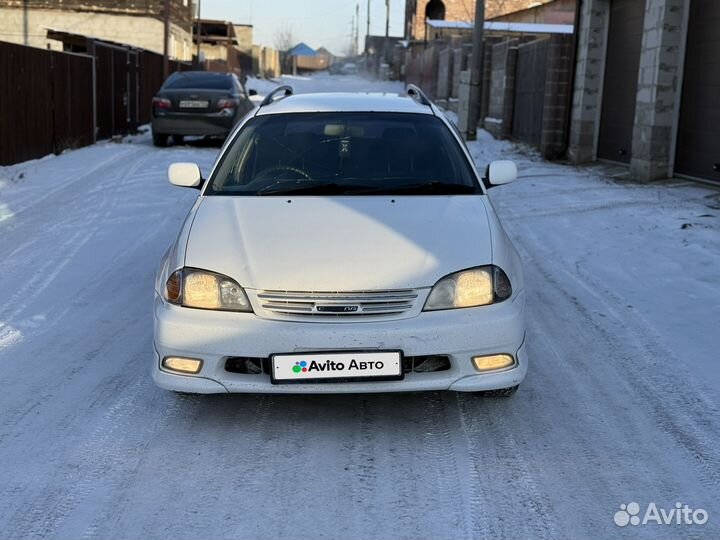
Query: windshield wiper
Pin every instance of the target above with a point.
(424, 188)
(327, 188)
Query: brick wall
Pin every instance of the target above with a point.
(556, 12)
(460, 10)
(142, 32)
(181, 11)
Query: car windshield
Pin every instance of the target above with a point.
(210, 81)
(344, 154)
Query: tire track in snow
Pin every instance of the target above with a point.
(439, 447)
(66, 183)
(66, 250)
(681, 410)
(492, 450)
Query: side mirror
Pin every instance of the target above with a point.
(252, 92)
(501, 172)
(185, 175)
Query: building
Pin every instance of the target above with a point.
(266, 61)
(418, 11)
(553, 12)
(647, 87)
(136, 23)
(223, 46)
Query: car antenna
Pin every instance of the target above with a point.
(288, 91)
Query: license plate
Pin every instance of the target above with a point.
(191, 104)
(336, 367)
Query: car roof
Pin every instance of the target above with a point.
(345, 102)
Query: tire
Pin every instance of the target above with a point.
(500, 392)
(160, 140)
(178, 139)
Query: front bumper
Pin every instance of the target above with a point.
(208, 124)
(459, 334)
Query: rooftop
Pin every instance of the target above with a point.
(345, 102)
(499, 26)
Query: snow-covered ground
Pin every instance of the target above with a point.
(621, 403)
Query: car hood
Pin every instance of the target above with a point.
(339, 243)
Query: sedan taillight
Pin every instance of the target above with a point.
(227, 103)
(161, 103)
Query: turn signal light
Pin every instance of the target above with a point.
(493, 362)
(182, 365)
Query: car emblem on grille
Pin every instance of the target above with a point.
(334, 308)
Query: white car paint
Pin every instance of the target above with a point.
(345, 244)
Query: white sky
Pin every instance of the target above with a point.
(316, 22)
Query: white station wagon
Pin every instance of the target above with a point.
(342, 243)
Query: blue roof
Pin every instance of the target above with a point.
(302, 49)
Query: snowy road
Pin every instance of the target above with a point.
(621, 403)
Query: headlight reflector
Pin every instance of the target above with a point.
(190, 287)
(469, 288)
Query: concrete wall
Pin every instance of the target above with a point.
(498, 120)
(446, 57)
(244, 35)
(658, 89)
(557, 96)
(589, 72)
(143, 32)
(658, 85)
(266, 61)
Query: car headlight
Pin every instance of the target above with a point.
(469, 288)
(201, 289)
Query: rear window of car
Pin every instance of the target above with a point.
(344, 154)
(210, 81)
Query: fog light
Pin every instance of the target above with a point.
(182, 365)
(493, 362)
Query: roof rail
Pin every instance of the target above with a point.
(417, 94)
(288, 91)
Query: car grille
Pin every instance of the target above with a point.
(333, 304)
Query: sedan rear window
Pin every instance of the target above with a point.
(344, 154)
(196, 81)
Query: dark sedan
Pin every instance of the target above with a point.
(198, 103)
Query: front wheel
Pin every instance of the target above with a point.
(160, 140)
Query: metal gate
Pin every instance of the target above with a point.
(621, 80)
(698, 140)
(116, 79)
(530, 91)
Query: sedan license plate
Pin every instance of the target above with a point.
(314, 367)
(192, 104)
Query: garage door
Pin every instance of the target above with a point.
(698, 142)
(621, 79)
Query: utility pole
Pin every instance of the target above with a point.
(357, 29)
(199, 32)
(476, 70)
(367, 31)
(166, 35)
(387, 31)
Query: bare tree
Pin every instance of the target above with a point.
(284, 39)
